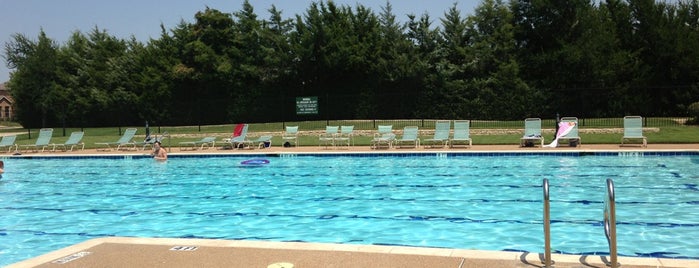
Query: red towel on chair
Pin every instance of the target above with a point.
(238, 130)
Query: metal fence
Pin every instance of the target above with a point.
(480, 124)
(319, 125)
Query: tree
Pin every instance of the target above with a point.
(278, 77)
(562, 48)
(397, 68)
(426, 44)
(500, 91)
(205, 70)
(34, 79)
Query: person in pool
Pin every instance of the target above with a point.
(2, 167)
(159, 153)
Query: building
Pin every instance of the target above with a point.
(6, 104)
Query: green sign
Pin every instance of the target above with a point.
(306, 105)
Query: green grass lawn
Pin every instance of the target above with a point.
(670, 134)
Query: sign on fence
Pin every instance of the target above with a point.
(306, 105)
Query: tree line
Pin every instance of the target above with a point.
(507, 60)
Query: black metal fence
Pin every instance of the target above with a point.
(478, 124)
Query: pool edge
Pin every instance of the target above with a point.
(507, 258)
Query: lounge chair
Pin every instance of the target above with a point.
(9, 142)
(201, 144)
(572, 137)
(125, 140)
(409, 138)
(259, 141)
(42, 141)
(75, 139)
(532, 133)
(346, 136)
(462, 134)
(149, 140)
(633, 130)
(384, 137)
(441, 135)
(328, 138)
(239, 137)
(291, 134)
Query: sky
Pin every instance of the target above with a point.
(142, 18)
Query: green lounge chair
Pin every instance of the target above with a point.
(125, 140)
(42, 141)
(384, 137)
(441, 134)
(346, 136)
(409, 139)
(9, 142)
(328, 138)
(259, 141)
(462, 135)
(532, 133)
(75, 139)
(633, 130)
(291, 134)
(572, 136)
(238, 142)
(205, 142)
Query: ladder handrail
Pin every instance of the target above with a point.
(547, 226)
(610, 222)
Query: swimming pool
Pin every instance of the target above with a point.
(489, 202)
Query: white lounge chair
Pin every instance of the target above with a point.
(205, 142)
(9, 142)
(291, 134)
(384, 137)
(532, 133)
(441, 134)
(75, 139)
(346, 136)
(572, 137)
(42, 141)
(260, 142)
(462, 134)
(633, 130)
(328, 138)
(125, 140)
(238, 138)
(409, 139)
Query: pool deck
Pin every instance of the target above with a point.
(167, 252)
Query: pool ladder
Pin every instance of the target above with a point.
(609, 225)
(547, 226)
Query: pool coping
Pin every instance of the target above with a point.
(158, 252)
(378, 153)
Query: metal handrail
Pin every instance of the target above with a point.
(547, 226)
(610, 223)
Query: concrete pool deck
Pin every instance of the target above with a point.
(166, 252)
(366, 149)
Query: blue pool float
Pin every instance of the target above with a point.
(255, 162)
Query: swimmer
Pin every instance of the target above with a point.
(159, 153)
(2, 167)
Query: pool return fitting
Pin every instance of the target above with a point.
(609, 225)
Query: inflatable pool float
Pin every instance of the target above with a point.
(255, 162)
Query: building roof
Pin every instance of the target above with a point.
(5, 94)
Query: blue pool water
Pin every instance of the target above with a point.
(453, 201)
